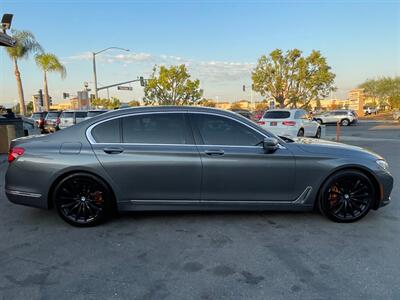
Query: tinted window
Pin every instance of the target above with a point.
(53, 114)
(36, 116)
(107, 132)
(154, 129)
(217, 130)
(276, 114)
(67, 115)
(81, 114)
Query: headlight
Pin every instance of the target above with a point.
(383, 164)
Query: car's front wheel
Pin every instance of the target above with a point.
(82, 200)
(345, 122)
(347, 196)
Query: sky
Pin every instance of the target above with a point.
(219, 41)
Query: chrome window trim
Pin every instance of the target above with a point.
(92, 141)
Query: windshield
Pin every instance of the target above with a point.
(53, 115)
(67, 115)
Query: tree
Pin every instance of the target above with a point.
(134, 103)
(25, 45)
(29, 107)
(385, 90)
(171, 86)
(112, 103)
(292, 79)
(264, 105)
(236, 105)
(48, 62)
(207, 102)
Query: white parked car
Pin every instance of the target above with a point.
(290, 122)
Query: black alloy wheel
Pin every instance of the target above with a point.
(82, 200)
(347, 196)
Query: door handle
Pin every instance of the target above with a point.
(113, 150)
(214, 152)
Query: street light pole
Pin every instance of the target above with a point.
(94, 66)
(95, 76)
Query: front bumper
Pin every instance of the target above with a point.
(385, 180)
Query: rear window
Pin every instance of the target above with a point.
(67, 115)
(37, 115)
(53, 115)
(277, 114)
(92, 114)
(81, 114)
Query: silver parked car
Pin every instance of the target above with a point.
(71, 117)
(344, 117)
(182, 158)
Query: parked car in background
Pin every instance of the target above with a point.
(344, 117)
(71, 117)
(396, 115)
(94, 113)
(290, 122)
(257, 115)
(368, 110)
(39, 118)
(30, 126)
(245, 113)
(52, 121)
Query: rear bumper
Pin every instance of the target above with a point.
(26, 198)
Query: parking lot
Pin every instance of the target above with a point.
(232, 255)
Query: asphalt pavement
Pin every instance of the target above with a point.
(232, 255)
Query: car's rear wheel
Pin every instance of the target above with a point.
(300, 132)
(319, 121)
(346, 196)
(318, 134)
(82, 200)
(345, 122)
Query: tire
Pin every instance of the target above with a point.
(300, 132)
(319, 121)
(83, 200)
(318, 134)
(347, 196)
(345, 122)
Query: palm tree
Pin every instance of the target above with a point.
(25, 45)
(49, 63)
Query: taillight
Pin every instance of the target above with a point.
(14, 153)
(41, 122)
(58, 121)
(261, 123)
(289, 123)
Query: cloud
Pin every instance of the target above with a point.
(204, 70)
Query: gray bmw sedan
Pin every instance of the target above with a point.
(190, 158)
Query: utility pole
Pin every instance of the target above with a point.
(94, 66)
(95, 75)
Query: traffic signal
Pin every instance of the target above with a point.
(244, 88)
(142, 82)
(40, 92)
(65, 95)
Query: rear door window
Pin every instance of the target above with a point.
(107, 132)
(277, 114)
(165, 128)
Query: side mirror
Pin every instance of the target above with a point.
(270, 145)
